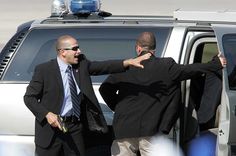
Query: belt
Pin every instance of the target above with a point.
(70, 119)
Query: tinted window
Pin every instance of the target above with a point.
(229, 45)
(95, 43)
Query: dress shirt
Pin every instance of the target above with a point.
(66, 109)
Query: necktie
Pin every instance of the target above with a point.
(73, 91)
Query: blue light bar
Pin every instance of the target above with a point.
(84, 6)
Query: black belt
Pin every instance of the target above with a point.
(70, 119)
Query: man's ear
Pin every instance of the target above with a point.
(139, 49)
(63, 53)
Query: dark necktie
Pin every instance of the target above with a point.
(73, 91)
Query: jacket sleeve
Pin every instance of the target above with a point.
(183, 72)
(106, 67)
(101, 67)
(108, 91)
(33, 95)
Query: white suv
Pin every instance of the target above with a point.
(186, 39)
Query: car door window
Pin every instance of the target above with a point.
(229, 45)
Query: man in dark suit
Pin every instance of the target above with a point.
(63, 87)
(146, 102)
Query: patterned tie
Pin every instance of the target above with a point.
(73, 91)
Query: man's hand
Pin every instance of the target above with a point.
(222, 60)
(137, 61)
(52, 120)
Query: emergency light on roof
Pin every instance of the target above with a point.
(59, 7)
(84, 6)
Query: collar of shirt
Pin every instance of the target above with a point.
(62, 65)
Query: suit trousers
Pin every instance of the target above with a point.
(131, 146)
(65, 144)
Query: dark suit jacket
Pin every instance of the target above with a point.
(45, 94)
(211, 97)
(146, 101)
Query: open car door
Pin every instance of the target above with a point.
(226, 139)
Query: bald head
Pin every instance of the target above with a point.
(147, 41)
(67, 49)
(65, 42)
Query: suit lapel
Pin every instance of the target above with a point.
(84, 81)
(56, 69)
(76, 75)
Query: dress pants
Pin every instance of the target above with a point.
(65, 144)
(131, 146)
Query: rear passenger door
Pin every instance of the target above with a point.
(226, 38)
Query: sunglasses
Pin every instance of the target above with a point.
(75, 48)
